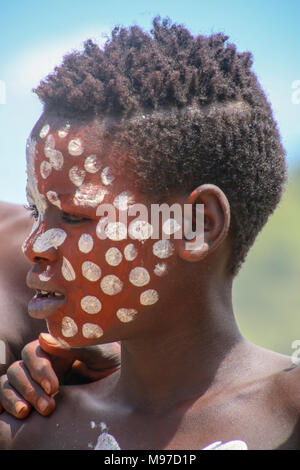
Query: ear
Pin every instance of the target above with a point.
(216, 218)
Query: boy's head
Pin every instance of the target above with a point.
(191, 112)
(147, 119)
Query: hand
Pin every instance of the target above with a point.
(34, 381)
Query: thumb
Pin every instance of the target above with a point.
(61, 356)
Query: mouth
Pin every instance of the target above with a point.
(45, 303)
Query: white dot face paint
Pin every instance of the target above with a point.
(67, 270)
(85, 243)
(89, 195)
(115, 231)
(126, 315)
(44, 131)
(91, 164)
(160, 269)
(111, 285)
(91, 331)
(91, 271)
(139, 277)
(130, 252)
(62, 133)
(76, 175)
(52, 238)
(54, 199)
(171, 226)
(68, 327)
(149, 297)
(56, 159)
(45, 169)
(45, 276)
(163, 249)
(75, 147)
(123, 201)
(107, 176)
(90, 304)
(140, 230)
(113, 256)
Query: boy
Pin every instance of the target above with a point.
(171, 119)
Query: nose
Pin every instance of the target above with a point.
(43, 242)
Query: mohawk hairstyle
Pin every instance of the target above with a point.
(189, 109)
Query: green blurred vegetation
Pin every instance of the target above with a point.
(267, 289)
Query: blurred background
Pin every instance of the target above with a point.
(35, 35)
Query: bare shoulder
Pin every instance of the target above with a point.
(73, 423)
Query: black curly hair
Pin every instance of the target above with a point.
(191, 111)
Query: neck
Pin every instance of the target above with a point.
(189, 355)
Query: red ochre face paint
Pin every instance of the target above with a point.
(87, 286)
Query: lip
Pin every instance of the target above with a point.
(43, 307)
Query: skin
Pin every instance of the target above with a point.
(203, 381)
(17, 328)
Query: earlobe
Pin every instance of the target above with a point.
(214, 226)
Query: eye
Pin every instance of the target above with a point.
(33, 209)
(73, 218)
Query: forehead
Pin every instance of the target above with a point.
(70, 163)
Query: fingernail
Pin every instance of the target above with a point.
(46, 386)
(20, 407)
(49, 339)
(42, 404)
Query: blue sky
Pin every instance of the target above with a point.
(35, 34)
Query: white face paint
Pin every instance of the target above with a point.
(163, 249)
(149, 297)
(75, 147)
(123, 201)
(171, 226)
(111, 285)
(116, 231)
(44, 131)
(85, 243)
(130, 252)
(107, 176)
(89, 195)
(91, 164)
(67, 270)
(68, 327)
(45, 169)
(126, 315)
(76, 175)
(140, 230)
(113, 256)
(90, 304)
(62, 133)
(160, 269)
(139, 277)
(90, 330)
(52, 238)
(91, 271)
(54, 199)
(45, 276)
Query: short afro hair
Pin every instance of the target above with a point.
(191, 111)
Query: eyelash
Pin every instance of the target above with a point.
(33, 209)
(68, 218)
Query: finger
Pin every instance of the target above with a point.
(21, 381)
(80, 368)
(11, 401)
(39, 365)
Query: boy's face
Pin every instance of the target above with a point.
(92, 278)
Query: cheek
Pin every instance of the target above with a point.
(108, 283)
